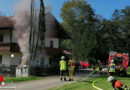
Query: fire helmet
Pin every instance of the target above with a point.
(111, 78)
(112, 61)
(63, 57)
(98, 60)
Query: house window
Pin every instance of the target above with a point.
(0, 59)
(50, 60)
(51, 44)
(1, 38)
(42, 62)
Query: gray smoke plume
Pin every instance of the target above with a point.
(22, 28)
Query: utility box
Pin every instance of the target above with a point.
(22, 72)
(18, 72)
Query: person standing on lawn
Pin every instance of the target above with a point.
(71, 65)
(116, 84)
(112, 68)
(100, 67)
(63, 68)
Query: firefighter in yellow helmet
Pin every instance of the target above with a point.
(71, 65)
(62, 68)
(112, 68)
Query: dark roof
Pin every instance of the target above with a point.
(5, 22)
(56, 51)
(53, 27)
(67, 52)
(53, 51)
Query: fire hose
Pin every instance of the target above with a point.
(90, 74)
(93, 84)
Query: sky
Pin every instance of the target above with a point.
(105, 8)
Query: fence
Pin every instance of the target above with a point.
(7, 70)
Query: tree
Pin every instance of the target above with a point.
(79, 18)
(42, 25)
(115, 32)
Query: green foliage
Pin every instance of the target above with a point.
(115, 32)
(87, 85)
(67, 45)
(93, 36)
(20, 79)
(79, 18)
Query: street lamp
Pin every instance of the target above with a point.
(12, 55)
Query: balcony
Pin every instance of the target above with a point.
(9, 47)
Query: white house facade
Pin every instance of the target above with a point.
(10, 54)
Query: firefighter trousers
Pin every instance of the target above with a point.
(63, 74)
(71, 74)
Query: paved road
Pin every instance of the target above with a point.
(42, 84)
(50, 82)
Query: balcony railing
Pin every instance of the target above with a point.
(9, 47)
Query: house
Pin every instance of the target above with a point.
(10, 54)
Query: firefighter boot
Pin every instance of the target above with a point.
(64, 79)
(61, 78)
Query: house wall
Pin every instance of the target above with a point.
(14, 40)
(8, 60)
(15, 60)
(6, 35)
(55, 42)
(41, 55)
(41, 59)
(46, 61)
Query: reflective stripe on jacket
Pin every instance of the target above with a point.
(100, 65)
(120, 85)
(62, 65)
(112, 67)
(71, 64)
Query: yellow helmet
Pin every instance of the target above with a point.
(112, 61)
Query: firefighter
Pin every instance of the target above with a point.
(121, 70)
(100, 67)
(116, 84)
(62, 68)
(112, 68)
(94, 64)
(71, 65)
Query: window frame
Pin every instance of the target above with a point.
(1, 38)
(0, 59)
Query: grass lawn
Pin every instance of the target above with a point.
(20, 79)
(87, 85)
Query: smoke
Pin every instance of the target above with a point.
(22, 28)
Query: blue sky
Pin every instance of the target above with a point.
(101, 7)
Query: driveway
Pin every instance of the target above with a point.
(49, 82)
